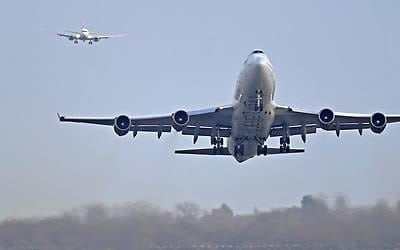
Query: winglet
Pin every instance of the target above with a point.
(60, 117)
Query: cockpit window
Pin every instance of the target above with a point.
(257, 51)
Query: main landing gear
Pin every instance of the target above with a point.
(90, 42)
(218, 142)
(262, 150)
(285, 144)
(76, 42)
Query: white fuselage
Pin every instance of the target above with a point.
(254, 109)
(83, 35)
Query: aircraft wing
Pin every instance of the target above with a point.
(304, 121)
(102, 37)
(209, 122)
(201, 122)
(64, 35)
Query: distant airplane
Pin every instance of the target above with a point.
(86, 35)
(249, 121)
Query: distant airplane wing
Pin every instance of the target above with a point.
(200, 123)
(64, 35)
(101, 37)
(305, 122)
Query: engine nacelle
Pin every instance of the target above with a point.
(378, 122)
(122, 125)
(326, 116)
(70, 38)
(180, 119)
(96, 39)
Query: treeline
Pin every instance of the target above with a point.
(142, 226)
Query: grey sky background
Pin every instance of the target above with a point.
(187, 54)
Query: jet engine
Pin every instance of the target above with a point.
(378, 122)
(122, 125)
(326, 116)
(70, 38)
(180, 119)
(96, 39)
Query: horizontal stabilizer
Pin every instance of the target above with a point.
(204, 151)
(274, 151)
(224, 151)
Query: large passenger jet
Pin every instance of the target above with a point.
(85, 35)
(248, 122)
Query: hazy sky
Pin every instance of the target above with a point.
(188, 54)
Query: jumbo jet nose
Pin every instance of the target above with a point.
(257, 51)
(258, 56)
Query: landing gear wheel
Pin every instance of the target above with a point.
(219, 142)
(75, 42)
(90, 42)
(285, 148)
(284, 140)
(285, 145)
(265, 150)
(262, 150)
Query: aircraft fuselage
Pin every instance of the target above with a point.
(254, 109)
(84, 35)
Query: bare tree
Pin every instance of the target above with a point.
(141, 225)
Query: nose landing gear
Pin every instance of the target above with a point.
(259, 107)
